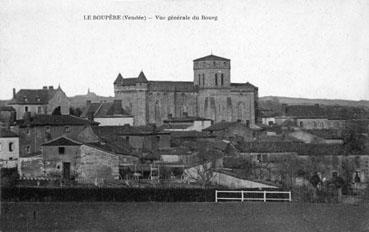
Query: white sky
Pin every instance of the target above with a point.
(296, 48)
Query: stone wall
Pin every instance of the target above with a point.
(54, 161)
(95, 163)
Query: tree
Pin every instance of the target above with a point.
(201, 174)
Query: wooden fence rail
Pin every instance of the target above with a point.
(253, 195)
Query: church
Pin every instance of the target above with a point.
(210, 95)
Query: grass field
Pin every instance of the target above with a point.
(156, 216)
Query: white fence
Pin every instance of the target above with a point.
(253, 195)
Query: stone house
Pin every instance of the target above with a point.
(210, 95)
(40, 101)
(36, 130)
(140, 139)
(312, 117)
(107, 113)
(9, 149)
(84, 162)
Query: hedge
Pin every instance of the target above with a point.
(109, 194)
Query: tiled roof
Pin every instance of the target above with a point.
(105, 109)
(109, 146)
(305, 111)
(298, 147)
(190, 134)
(179, 86)
(223, 126)
(211, 57)
(6, 108)
(185, 119)
(54, 120)
(33, 96)
(90, 109)
(4, 133)
(62, 141)
(126, 130)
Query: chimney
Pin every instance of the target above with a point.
(13, 92)
(284, 109)
(44, 88)
(51, 87)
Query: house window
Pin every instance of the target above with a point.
(26, 109)
(258, 158)
(47, 129)
(67, 129)
(28, 149)
(216, 78)
(39, 110)
(222, 79)
(61, 150)
(11, 146)
(28, 131)
(247, 123)
(301, 124)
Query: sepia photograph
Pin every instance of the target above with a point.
(181, 116)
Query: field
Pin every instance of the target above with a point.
(156, 216)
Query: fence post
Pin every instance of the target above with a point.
(216, 195)
(242, 197)
(289, 196)
(265, 199)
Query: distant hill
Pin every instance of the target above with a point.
(79, 101)
(306, 101)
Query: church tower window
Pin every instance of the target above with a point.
(199, 79)
(216, 78)
(222, 79)
(203, 79)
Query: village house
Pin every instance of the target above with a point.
(40, 101)
(84, 162)
(9, 149)
(107, 113)
(36, 130)
(312, 117)
(142, 139)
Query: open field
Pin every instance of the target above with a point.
(156, 216)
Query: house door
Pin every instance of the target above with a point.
(66, 171)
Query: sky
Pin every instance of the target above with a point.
(293, 48)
